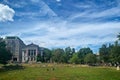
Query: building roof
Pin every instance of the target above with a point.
(32, 45)
(12, 37)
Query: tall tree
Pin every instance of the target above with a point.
(58, 55)
(73, 50)
(90, 59)
(47, 55)
(68, 53)
(115, 53)
(104, 53)
(83, 52)
(5, 55)
(74, 59)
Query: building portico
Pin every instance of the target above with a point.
(30, 52)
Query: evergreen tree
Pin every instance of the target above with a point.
(5, 55)
(104, 53)
(82, 53)
(115, 53)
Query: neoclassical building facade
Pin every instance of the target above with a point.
(30, 52)
(20, 51)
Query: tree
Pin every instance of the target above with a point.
(74, 59)
(73, 50)
(83, 52)
(5, 55)
(90, 59)
(47, 55)
(104, 53)
(115, 53)
(69, 53)
(39, 58)
(58, 55)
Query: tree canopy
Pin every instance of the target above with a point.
(83, 52)
(5, 54)
(104, 53)
(90, 58)
(58, 55)
(74, 59)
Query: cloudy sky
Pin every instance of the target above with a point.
(61, 23)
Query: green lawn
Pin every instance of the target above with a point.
(60, 72)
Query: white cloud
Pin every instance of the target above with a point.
(97, 14)
(35, 1)
(62, 33)
(69, 34)
(46, 10)
(58, 0)
(109, 12)
(42, 11)
(59, 33)
(6, 13)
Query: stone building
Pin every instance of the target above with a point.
(15, 45)
(30, 52)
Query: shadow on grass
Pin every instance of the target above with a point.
(11, 67)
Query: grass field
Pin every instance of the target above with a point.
(60, 72)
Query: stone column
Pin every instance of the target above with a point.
(36, 52)
(22, 56)
(26, 52)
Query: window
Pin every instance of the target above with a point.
(24, 51)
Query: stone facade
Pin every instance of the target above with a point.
(22, 52)
(15, 45)
(30, 52)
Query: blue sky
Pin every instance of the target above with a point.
(61, 23)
